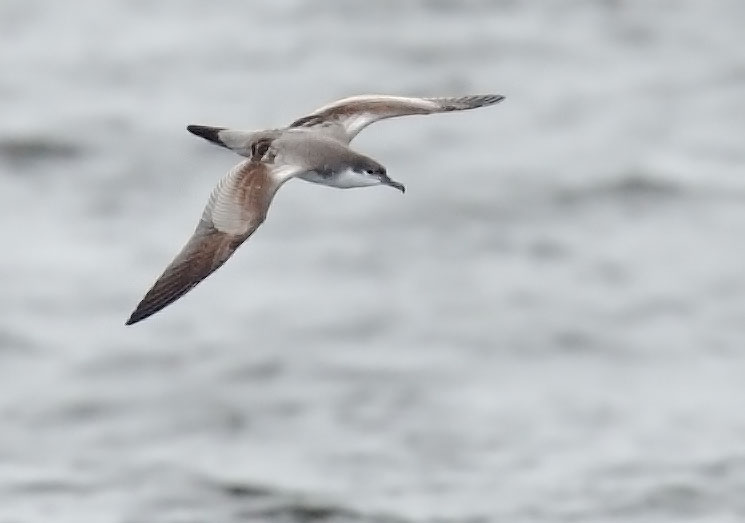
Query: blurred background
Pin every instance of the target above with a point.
(548, 326)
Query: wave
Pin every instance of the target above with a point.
(277, 505)
(634, 186)
(21, 151)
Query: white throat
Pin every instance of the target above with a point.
(349, 178)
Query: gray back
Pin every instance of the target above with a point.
(316, 152)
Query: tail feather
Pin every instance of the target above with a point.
(237, 141)
(208, 133)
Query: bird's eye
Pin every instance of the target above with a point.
(370, 171)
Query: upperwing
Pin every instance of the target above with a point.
(357, 112)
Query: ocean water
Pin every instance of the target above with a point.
(548, 326)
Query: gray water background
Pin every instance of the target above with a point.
(549, 325)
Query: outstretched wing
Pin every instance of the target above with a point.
(345, 118)
(236, 208)
(206, 251)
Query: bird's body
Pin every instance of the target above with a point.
(314, 148)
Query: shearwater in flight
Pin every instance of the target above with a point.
(314, 148)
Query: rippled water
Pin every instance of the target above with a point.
(548, 326)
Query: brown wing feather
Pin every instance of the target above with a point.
(380, 107)
(236, 208)
(204, 253)
(353, 114)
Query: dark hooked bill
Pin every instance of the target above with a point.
(392, 183)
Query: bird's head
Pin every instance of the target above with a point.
(372, 173)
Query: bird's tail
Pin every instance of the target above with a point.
(237, 141)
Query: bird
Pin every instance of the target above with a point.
(342, 120)
(314, 147)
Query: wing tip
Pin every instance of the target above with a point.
(467, 102)
(150, 304)
(155, 301)
(481, 100)
(491, 99)
(137, 315)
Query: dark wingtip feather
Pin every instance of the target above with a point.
(482, 100)
(205, 251)
(140, 313)
(165, 291)
(207, 132)
(468, 102)
(153, 303)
